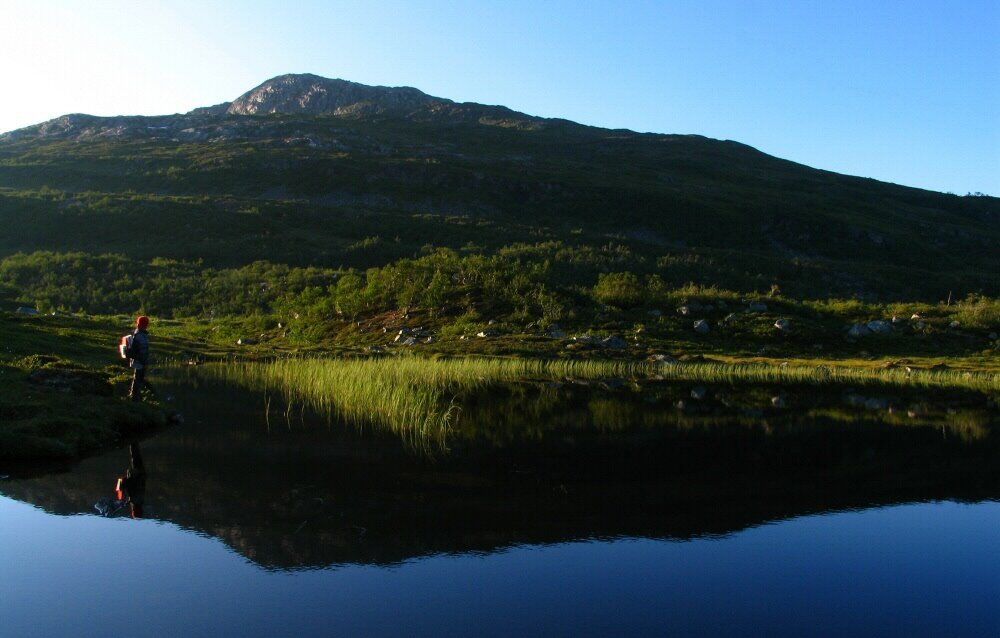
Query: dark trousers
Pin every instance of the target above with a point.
(138, 381)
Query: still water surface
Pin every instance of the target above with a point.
(633, 517)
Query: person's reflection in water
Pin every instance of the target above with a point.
(130, 489)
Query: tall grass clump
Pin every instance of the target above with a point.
(410, 396)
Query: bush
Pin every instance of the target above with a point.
(621, 290)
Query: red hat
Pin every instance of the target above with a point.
(142, 322)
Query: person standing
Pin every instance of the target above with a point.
(140, 357)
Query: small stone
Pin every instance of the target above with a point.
(784, 325)
(954, 325)
(701, 326)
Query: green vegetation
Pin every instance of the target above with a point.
(329, 235)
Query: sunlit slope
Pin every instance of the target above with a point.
(311, 188)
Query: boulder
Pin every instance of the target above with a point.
(729, 318)
(858, 330)
(487, 333)
(410, 341)
(915, 317)
(684, 311)
(954, 325)
(23, 310)
(880, 327)
(614, 342)
(784, 325)
(701, 326)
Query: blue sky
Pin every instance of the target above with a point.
(906, 92)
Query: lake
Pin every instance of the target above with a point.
(555, 509)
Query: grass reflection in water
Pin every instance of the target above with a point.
(419, 399)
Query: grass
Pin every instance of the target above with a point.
(418, 398)
(413, 397)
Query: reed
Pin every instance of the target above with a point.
(418, 398)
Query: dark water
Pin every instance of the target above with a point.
(557, 510)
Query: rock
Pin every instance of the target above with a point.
(612, 384)
(585, 339)
(757, 306)
(654, 313)
(684, 311)
(375, 349)
(876, 404)
(880, 327)
(855, 400)
(915, 317)
(896, 320)
(665, 359)
(699, 392)
(246, 342)
(954, 325)
(429, 339)
(487, 333)
(701, 326)
(920, 325)
(23, 310)
(784, 325)
(858, 330)
(410, 341)
(614, 342)
(729, 318)
(778, 401)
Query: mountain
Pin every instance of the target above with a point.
(304, 170)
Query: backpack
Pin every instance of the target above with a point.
(125, 347)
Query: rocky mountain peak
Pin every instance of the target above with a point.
(308, 93)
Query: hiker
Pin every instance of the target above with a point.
(140, 359)
(132, 486)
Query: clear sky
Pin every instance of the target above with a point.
(901, 91)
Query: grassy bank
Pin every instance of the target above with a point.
(62, 389)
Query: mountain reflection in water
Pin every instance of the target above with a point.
(539, 463)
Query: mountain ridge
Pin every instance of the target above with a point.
(333, 152)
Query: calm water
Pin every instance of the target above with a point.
(675, 510)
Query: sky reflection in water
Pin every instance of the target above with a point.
(920, 569)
